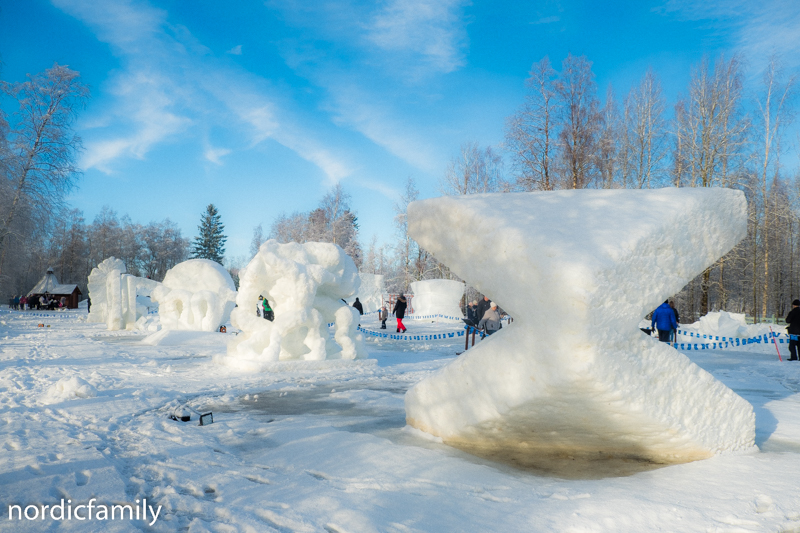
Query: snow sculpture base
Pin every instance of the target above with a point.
(438, 297)
(305, 285)
(573, 376)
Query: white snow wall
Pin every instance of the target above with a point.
(305, 285)
(573, 375)
(438, 297)
(106, 293)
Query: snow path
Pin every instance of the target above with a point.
(328, 451)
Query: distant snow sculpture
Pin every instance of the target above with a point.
(305, 285)
(105, 292)
(196, 295)
(370, 292)
(573, 375)
(438, 297)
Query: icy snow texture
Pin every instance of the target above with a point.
(370, 293)
(573, 375)
(438, 296)
(196, 295)
(69, 388)
(305, 285)
(105, 292)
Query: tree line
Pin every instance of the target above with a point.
(716, 134)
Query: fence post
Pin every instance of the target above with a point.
(466, 340)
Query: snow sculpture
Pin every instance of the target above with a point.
(305, 285)
(370, 293)
(438, 297)
(106, 293)
(573, 376)
(196, 295)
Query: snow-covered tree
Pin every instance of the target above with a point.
(210, 244)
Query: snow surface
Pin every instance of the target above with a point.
(326, 448)
(196, 295)
(305, 285)
(573, 375)
(438, 297)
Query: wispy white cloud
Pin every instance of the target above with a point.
(236, 50)
(431, 30)
(215, 155)
(169, 82)
(547, 20)
(758, 29)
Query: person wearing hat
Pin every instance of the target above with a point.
(400, 312)
(259, 306)
(793, 328)
(481, 308)
(491, 319)
(382, 316)
(664, 321)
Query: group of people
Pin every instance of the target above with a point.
(399, 312)
(485, 314)
(665, 320)
(45, 301)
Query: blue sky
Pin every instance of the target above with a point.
(260, 107)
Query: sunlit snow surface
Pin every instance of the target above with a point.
(326, 449)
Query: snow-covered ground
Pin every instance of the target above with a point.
(324, 446)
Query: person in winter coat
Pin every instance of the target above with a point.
(793, 328)
(491, 319)
(267, 311)
(259, 306)
(664, 321)
(471, 312)
(674, 333)
(358, 306)
(383, 314)
(400, 311)
(483, 306)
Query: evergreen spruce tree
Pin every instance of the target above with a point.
(210, 244)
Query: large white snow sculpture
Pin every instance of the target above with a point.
(573, 375)
(438, 297)
(305, 285)
(370, 292)
(105, 291)
(196, 295)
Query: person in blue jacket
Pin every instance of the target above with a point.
(664, 321)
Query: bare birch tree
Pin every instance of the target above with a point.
(530, 134)
(578, 121)
(39, 164)
(645, 131)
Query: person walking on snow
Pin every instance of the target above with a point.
(673, 335)
(358, 306)
(664, 321)
(793, 328)
(491, 319)
(400, 311)
(382, 316)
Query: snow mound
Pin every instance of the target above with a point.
(69, 388)
(573, 375)
(196, 295)
(438, 296)
(305, 285)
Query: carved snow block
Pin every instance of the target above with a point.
(573, 375)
